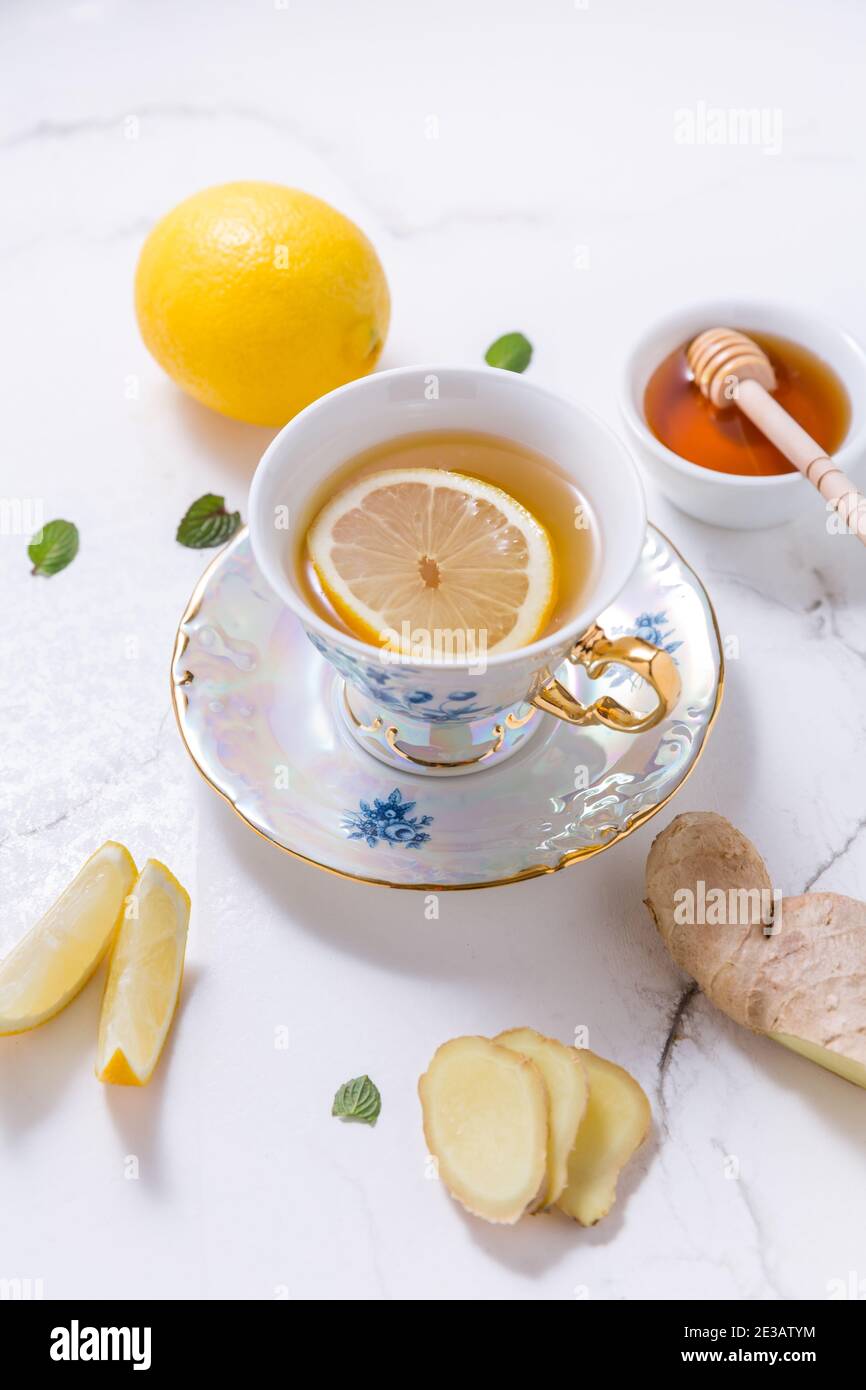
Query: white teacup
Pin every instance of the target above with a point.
(447, 716)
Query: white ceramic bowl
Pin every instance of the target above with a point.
(725, 499)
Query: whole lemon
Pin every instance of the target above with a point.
(257, 299)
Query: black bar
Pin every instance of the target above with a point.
(62, 1336)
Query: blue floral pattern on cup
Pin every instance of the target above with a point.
(455, 706)
(392, 687)
(387, 821)
(652, 627)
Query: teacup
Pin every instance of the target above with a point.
(451, 715)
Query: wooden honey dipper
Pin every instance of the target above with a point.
(730, 369)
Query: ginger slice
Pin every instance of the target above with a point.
(614, 1126)
(565, 1078)
(485, 1112)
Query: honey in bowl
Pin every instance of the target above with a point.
(725, 440)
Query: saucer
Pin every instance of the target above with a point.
(262, 716)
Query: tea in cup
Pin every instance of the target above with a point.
(447, 538)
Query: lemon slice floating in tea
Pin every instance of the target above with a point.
(412, 550)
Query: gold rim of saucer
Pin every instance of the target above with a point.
(178, 704)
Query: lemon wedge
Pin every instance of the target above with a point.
(413, 551)
(144, 977)
(58, 956)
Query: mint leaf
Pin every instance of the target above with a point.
(54, 547)
(358, 1100)
(512, 351)
(207, 523)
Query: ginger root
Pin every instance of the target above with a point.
(793, 969)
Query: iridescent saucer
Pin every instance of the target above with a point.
(262, 715)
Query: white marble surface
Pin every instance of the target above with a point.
(556, 200)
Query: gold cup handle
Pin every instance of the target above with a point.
(596, 651)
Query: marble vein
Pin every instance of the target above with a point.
(399, 228)
(675, 1030)
(835, 855)
(751, 1210)
(122, 773)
